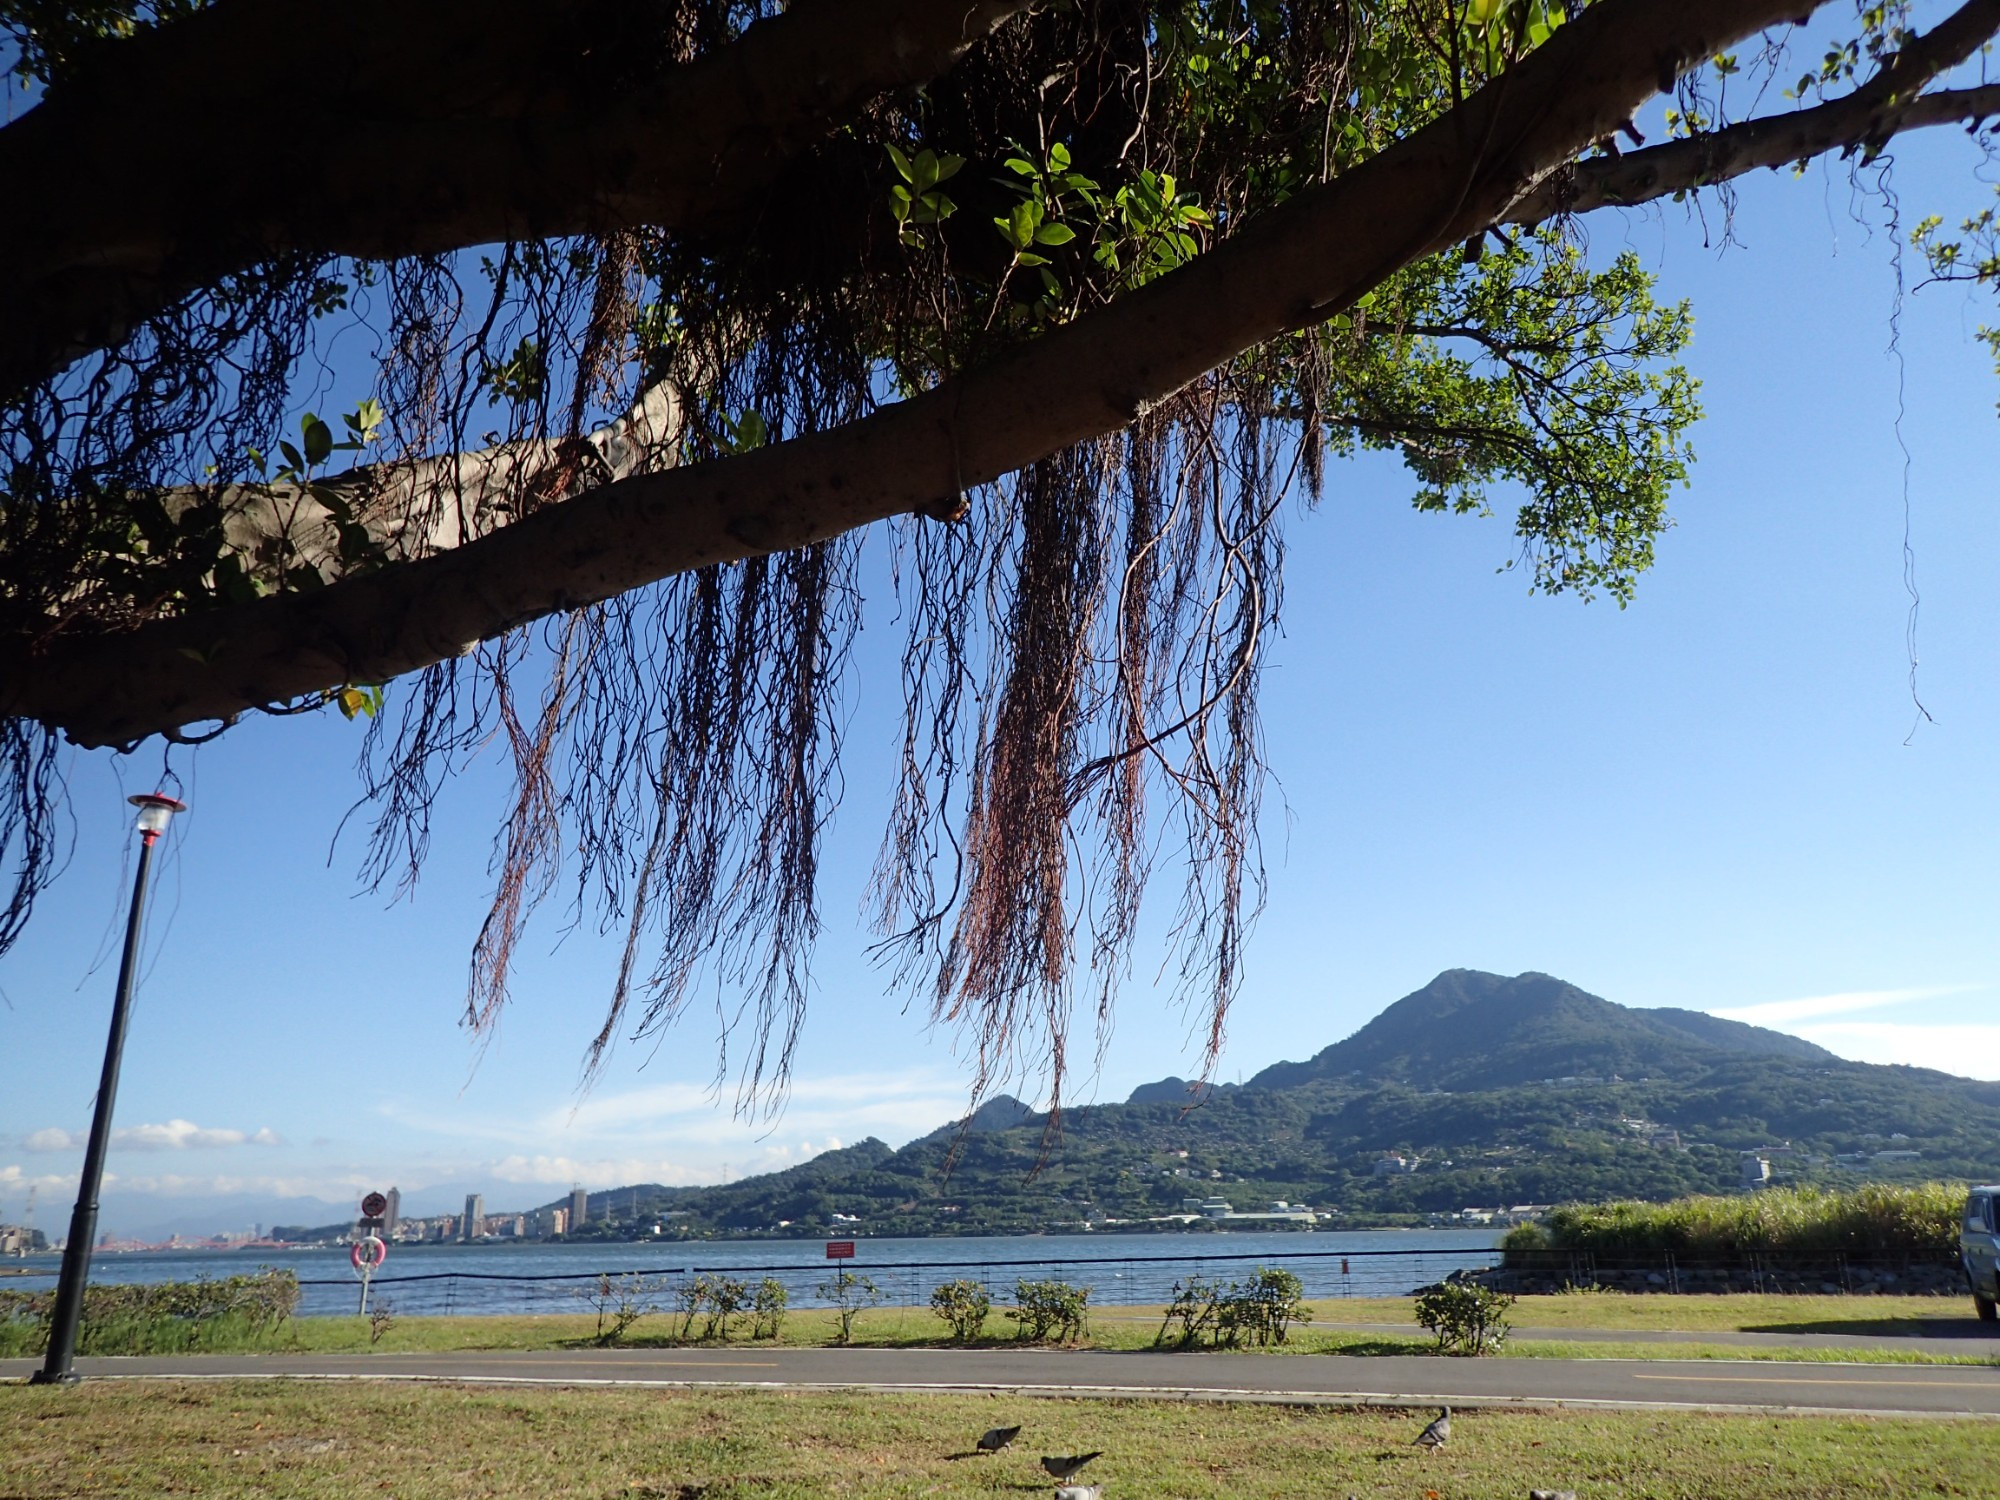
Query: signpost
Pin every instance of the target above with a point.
(840, 1249)
(370, 1250)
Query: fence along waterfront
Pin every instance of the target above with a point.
(1114, 1280)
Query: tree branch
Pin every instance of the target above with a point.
(1886, 105)
(1295, 265)
(115, 218)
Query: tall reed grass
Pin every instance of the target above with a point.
(1776, 1224)
(168, 1317)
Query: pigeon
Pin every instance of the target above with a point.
(1065, 1468)
(1438, 1433)
(1551, 1495)
(1079, 1492)
(995, 1438)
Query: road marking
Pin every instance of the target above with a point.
(1984, 1385)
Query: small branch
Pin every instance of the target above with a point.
(1888, 104)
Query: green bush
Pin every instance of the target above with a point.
(164, 1317)
(767, 1308)
(1229, 1314)
(849, 1294)
(1466, 1317)
(1050, 1310)
(964, 1306)
(1775, 1224)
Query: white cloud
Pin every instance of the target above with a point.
(13, 1179)
(1971, 1050)
(174, 1135)
(681, 1171)
(1778, 1012)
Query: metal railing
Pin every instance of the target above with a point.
(1113, 1280)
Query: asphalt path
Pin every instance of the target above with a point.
(1390, 1380)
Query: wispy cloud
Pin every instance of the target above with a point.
(1969, 1050)
(638, 1122)
(173, 1135)
(1848, 1002)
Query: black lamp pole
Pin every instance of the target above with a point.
(154, 812)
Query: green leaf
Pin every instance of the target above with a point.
(1059, 157)
(926, 166)
(292, 456)
(947, 166)
(319, 439)
(1054, 234)
(1022, 223)
(902, 164)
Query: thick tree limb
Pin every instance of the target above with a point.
(114, 216)
(1296, 265)
(1889, 103)
(416, 508)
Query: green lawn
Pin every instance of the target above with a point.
(1341, 1327)
(262, 1438)
(1331, 1332)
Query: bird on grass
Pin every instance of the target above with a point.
(1062, 1469)
(995, 1438)
(1438, 1433)
(1079, 1492)
(1551, 1495)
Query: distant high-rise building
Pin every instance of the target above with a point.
(394, 1212)
(558, 1221)
(475, 1217)
(579, 1208)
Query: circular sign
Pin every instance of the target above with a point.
(374, 1206)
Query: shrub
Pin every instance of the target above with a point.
(767, 1308)
(1263, 1309)
(1050, 1310)
(716, 1299)
(1228, 1314)
(621, 1301)
(964, 1305)
(849, 1294)
(1466, 1317)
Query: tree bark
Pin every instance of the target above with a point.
(1294, 266)
(257, 129)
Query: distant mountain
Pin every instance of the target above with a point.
(1001, 1112)
(1172, 1091)
(1471, 1030)
(1490, 1090)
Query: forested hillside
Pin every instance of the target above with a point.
(1502, 1091)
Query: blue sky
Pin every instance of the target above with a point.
(1711, 799)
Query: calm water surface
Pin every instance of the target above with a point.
(502, 1278)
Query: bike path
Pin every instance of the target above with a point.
(1397, 1380)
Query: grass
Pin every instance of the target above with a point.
(1364, 1332)
(306, 1441)
(1777, 1224)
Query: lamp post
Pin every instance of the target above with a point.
(156, 810)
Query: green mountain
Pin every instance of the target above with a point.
(1467, 1030)
(1495, 1091)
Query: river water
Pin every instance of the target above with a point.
(529, 1278)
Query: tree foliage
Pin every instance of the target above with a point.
(667, 302)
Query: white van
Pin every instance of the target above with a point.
(1979, 1245)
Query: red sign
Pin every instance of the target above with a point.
(373, 1206)
(840, 1249)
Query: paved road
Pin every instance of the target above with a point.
(1961, 1390)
